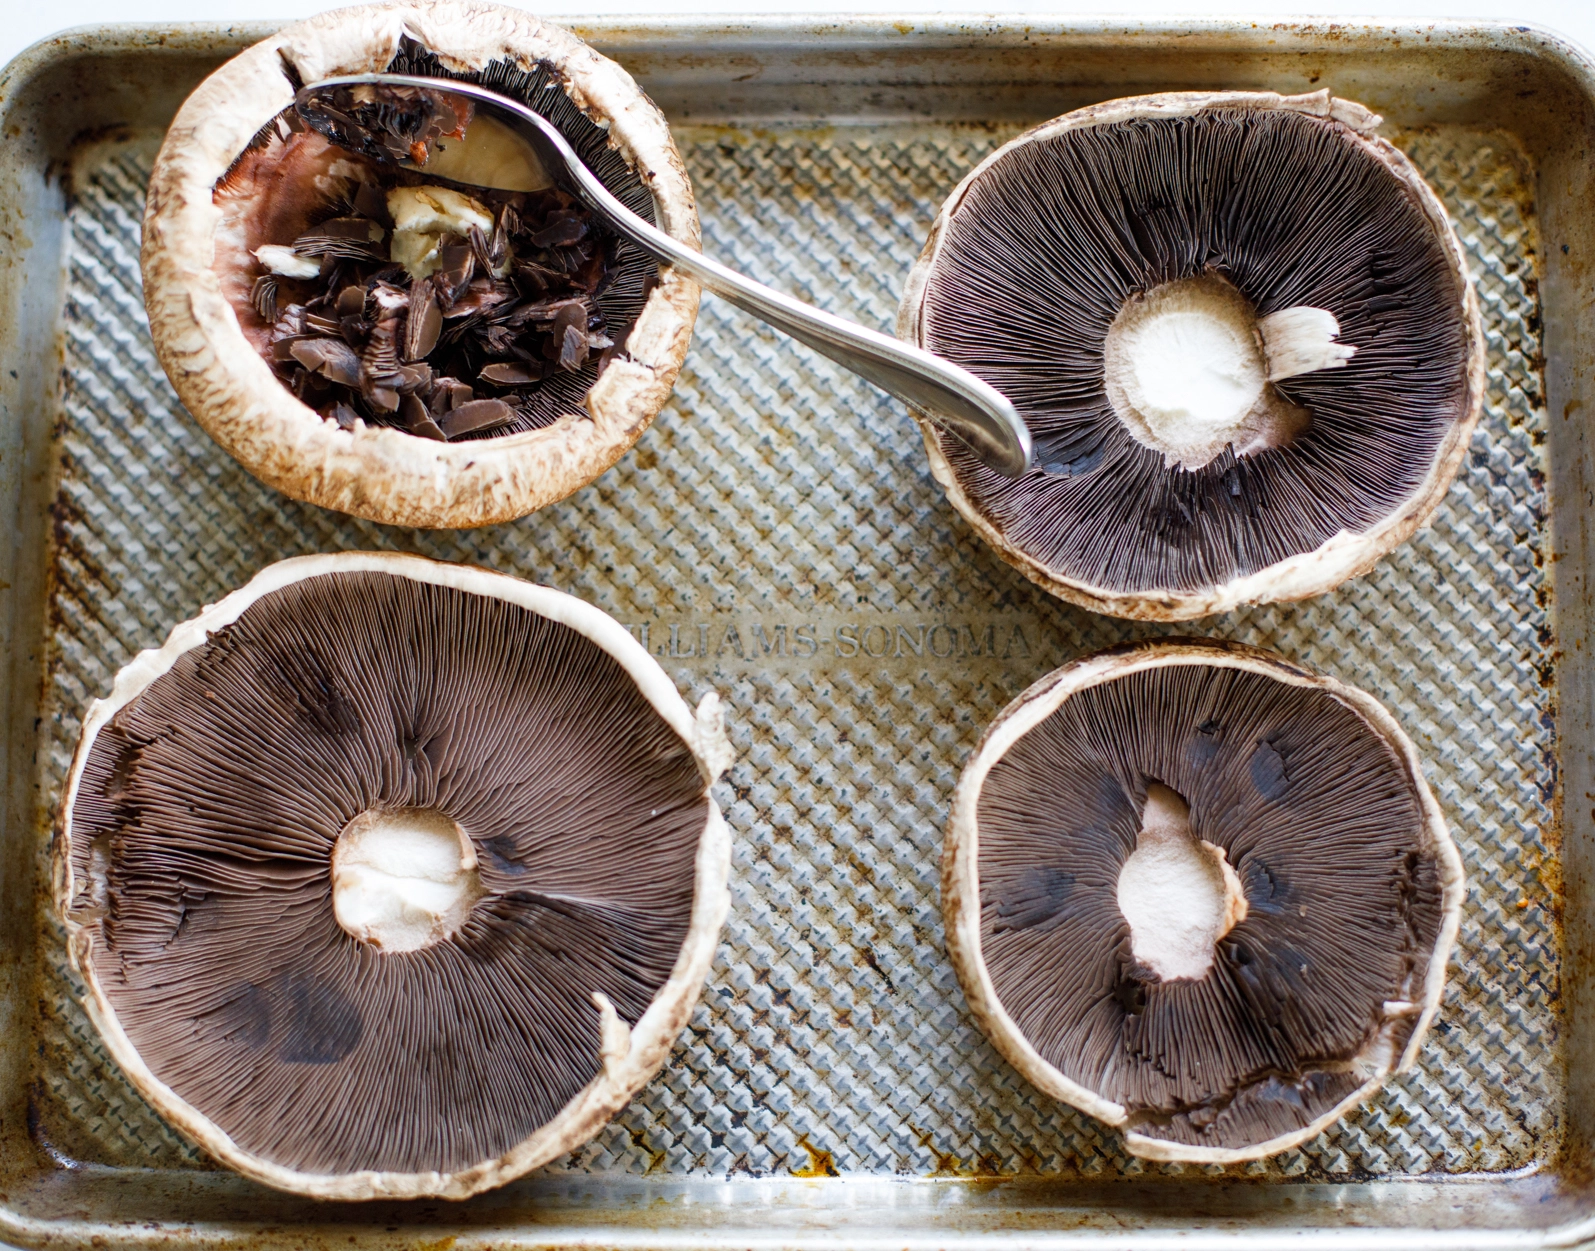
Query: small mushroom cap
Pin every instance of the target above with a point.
(386, 474)
(1297, 202)
(1321, 984)
(214, 793)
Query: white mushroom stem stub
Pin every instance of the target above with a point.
(1301, 340)
(1178, 892)
(422, 216)
(1187, 367)
(403, 880)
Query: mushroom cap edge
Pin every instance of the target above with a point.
(960, 875)
(384, 474)
(629, 1059)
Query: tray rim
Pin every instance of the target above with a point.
(620, 34)
(1287, 32)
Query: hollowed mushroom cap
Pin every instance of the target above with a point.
(1332, 289)
(1336, 886)
(381, 473)
(557, 884)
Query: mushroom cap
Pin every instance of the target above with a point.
(385, 474)
(1153, 542)
(1325, 985)
(197, 846)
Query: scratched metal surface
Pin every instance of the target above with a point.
(777, 537)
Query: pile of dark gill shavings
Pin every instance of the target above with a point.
(204, 827)
(1322, 826)
(462, 354)
(1050, 243)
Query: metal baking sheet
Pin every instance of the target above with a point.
(777, 537)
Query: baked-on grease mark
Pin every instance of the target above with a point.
(1052, 241)
(1324, 832)
(1176, 890)
(204, 830)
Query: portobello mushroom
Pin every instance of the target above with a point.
(412, 348)
(1239, 326)
(390, 878)
(1200, 893)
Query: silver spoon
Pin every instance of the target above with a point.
(973, 411)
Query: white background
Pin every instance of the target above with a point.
(22, 22)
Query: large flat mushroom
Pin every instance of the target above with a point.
(1241, 330)
(1200, 893)
(452, 348)
(390, 878)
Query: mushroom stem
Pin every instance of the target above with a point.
(422, 217)
(1187, 366)
(403, 880)
(1178, 892)
(1301, 340)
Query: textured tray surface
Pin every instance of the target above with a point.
(777, 537)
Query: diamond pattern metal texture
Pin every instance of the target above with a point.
(777, 537)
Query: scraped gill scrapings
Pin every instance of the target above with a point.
(1293, 210)
(521, 314)
(1322, 826)
(204, 828)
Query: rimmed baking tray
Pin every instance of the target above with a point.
(776, 536)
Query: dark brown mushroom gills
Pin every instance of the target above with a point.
(1343, 901)
(506, 339)
(206, 824)
(1052, 242)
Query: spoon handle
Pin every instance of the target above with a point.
(955, 398)
(966, 407)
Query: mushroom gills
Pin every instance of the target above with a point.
(1240, 333)
(1207, 898)
(356, 865)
